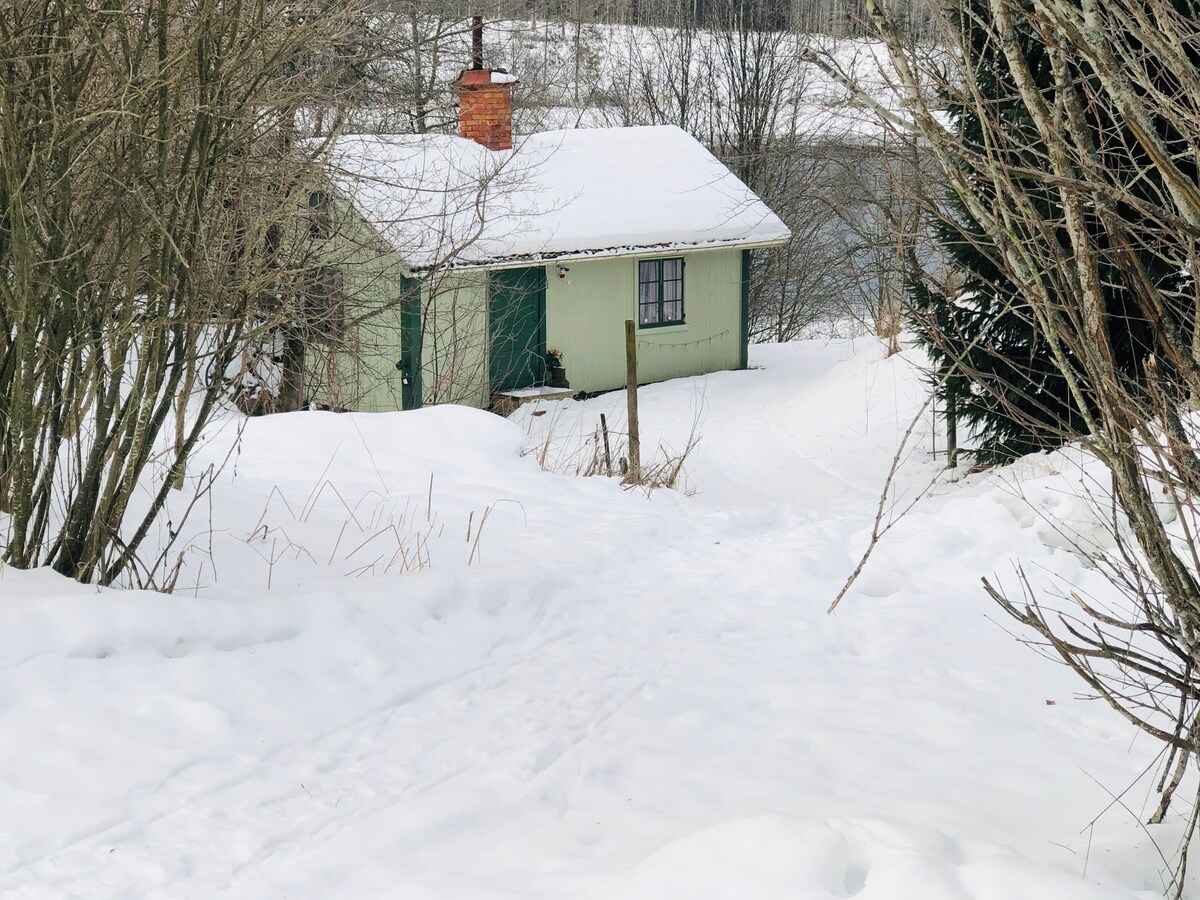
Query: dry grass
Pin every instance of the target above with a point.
(603, 452)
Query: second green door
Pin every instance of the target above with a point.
(517, 328)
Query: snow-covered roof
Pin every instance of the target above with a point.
(446, 200)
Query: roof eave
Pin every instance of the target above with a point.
(535, 259)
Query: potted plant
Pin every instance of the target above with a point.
(556, 375)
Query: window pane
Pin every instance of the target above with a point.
(660, 291)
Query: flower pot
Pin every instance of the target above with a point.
(556, 376)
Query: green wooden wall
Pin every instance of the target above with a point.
(454, 330)
(357, 370)
(587, 309)
(585, 315)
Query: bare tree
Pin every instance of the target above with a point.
(148, 182)
(1080, 185)
(732, 75)
(804, 282)
(883, 196)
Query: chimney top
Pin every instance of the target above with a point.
(485, 107)
(476, 42)
(484, 98)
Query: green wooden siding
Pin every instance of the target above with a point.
(393, 319)
(587, 309)
(455, 340)
(584, 316)
(358, 371)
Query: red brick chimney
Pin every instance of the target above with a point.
(484, 98)
(485, 107)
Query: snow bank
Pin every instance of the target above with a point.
(601, 695)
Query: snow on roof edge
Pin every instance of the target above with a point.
(569, 194)
(512, 262)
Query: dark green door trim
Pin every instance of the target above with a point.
(744, 357)
(517, 328)
(409, 364)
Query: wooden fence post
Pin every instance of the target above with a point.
(607, 452)
(631, 386)
(952, 432)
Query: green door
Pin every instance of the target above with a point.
(410, 343)
(517, 328)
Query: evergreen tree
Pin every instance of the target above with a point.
(992, 362)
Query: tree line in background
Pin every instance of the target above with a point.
(838, 18)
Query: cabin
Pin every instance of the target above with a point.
(475, 268)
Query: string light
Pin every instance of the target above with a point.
(681, 344)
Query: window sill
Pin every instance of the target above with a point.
(669, 328)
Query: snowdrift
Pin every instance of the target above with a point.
(403, 660)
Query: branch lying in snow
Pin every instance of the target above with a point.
(878, 529)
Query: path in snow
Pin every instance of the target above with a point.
(627, 697)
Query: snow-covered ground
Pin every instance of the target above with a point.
(408, 662)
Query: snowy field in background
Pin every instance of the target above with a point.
(407, 662)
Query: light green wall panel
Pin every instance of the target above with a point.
(374, 361)
(358, 371)
(455, 340)
(585, 317)
(587, 309)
